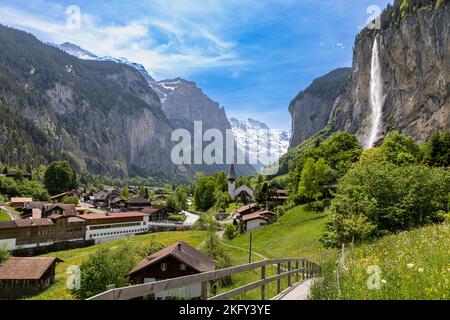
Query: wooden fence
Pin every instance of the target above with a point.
(297, 267)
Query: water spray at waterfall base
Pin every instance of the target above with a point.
(376, 97)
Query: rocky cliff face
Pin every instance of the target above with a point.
(102, 116)
(183, 103)
(414, 59)
(311, 109)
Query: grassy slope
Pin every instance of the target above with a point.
(58, 290)
(4, 216)
(296, 234)
(414, 265)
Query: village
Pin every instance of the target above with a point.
(37, 228)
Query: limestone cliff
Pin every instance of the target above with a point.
(311, 109)
(414, 59)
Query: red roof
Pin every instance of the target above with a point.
(112, 215)
(261, 214)
(16, 268)
(253, 216)
(247, 207)
(182, 252)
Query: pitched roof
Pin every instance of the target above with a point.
(112, 215)
(61, 195)
(138, 200)
(247, 207)
(19, 200)
(34, 205)
(22, 223)
(231, 173)
(17, 268)
(253, 216)
(68, 209)
(182, 252)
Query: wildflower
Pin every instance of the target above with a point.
(420, 269)
(410, 265)
(383, 281)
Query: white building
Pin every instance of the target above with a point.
(108, 227)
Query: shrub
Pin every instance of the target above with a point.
(230, 232)
(375, 199)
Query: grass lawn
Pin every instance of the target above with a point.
(296, 234)
(58, 291)
(413, 265)
(4, 216)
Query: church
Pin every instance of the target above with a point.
(243, 192)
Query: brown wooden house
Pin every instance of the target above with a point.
(176, 260)
(24, 277)
(158, 213)
(137, 204)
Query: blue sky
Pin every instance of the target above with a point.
(251, 56)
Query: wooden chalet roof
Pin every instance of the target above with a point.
(254, 216)
(182, 252)
(21, 200)
(138, 201)
(247, 207)
(68, 210)
(17, 268)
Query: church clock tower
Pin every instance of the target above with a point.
(232, 182)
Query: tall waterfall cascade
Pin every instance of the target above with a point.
(376, 97)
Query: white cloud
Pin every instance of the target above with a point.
(187, 47)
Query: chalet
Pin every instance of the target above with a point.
(258, 219)
(158, 213)
(19, 203)
(25, 277)
(24, 174)
(137, 204)
(118, 204)
(58, 210)
(176, 260)
(279, 195)
(60, 197)
(44, 210)
(32, 209)
(112, 226)
(245, 210)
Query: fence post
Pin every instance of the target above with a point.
(111, 287)
(296, 268)
(289, 276)
(279, 280)
(303, 269)
(263, 287)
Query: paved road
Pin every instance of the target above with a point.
(299, 291)
(191, 219)
(10, 213)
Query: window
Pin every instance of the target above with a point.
(164, 266)
(182, 266)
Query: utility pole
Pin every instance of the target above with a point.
(250, 250)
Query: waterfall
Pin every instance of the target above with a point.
(376, 96)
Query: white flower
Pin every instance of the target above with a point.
(410, 265)
(420, 269)
(383, 281)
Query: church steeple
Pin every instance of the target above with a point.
(231, 174)
(231, 182)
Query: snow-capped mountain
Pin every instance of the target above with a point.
(257, 138)
(83, 54)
